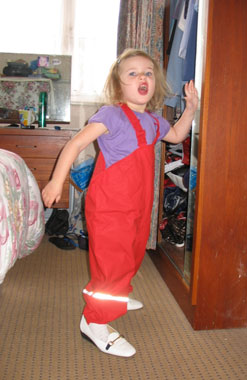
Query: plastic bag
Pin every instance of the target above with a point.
(81, 175)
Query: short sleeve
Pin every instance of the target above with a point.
(164, 126)
(110, 116)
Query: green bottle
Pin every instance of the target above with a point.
(42, 109)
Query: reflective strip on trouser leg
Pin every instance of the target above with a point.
(103, 308)
(107, 297)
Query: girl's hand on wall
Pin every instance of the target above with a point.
(191, 96)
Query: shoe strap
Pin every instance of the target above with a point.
(111, 342)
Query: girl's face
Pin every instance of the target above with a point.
(137, 82)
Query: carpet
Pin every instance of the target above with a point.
(41, 305)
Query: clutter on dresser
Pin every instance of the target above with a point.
(36, 81)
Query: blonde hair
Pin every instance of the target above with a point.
(112, 89)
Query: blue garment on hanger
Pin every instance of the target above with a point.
(174, 13)
(174, 69)
(180, 70)
(186, 35)
(190, 59)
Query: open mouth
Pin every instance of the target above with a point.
(143, 89)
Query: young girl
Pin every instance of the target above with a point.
(120, 195)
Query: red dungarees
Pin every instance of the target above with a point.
(118, 211)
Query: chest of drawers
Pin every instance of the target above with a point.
(40, 149)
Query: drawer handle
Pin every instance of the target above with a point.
(26, 146)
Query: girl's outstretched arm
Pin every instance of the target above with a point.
(53, 190)
(181, 128)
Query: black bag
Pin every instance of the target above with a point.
(17, 69)
(58, 223)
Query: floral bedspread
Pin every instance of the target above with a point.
(21, 211)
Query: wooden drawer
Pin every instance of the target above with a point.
(42, 168)
(34, 146)
(40, 149)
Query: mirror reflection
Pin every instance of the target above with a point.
(24, 76)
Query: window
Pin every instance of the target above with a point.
(85, 29)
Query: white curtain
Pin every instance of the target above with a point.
(85, 29)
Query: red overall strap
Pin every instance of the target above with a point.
(140, 132)
(157, 123)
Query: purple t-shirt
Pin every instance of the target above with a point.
(121, 139)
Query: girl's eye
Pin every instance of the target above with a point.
(147, 74)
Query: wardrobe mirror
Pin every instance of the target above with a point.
(180, 161)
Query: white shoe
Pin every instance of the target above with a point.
(134, 304)
(113, 344)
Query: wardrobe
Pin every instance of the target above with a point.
(208, 277)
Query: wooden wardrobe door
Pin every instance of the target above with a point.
(219, 287)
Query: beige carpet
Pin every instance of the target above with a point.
(41, 304)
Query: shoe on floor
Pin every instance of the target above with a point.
(134, 304)
(106, 339)
(62, 243)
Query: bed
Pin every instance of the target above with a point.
(21, 211)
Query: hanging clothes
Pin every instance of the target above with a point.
(181, 64)
(190, 56)
(187, 28)
(174, 69)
